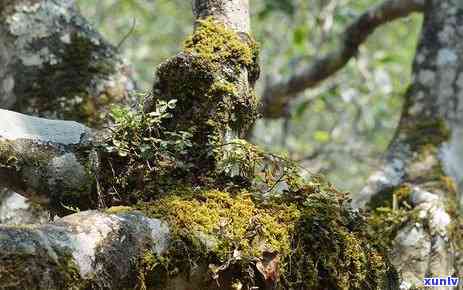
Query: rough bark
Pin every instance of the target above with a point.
(235, 14)
(425, 155)
(89, 250)
(53, 64)
(103, 251)
(276, 96)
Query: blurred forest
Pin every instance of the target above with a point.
(340, 128)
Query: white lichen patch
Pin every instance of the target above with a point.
(15, 209)
(419, 196)
(37, 21)
(160, 235)
(451, 155)
(426, 77)
(410, 254)
(447, 56)
(89, 229)
(447, 34)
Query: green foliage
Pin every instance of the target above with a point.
(217, 213)
(285, 6)
(140, 151)
(138, 133)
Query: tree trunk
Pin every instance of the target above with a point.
(54, 65)
(423, 166)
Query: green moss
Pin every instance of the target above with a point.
(319, 243)
(175, 163)
(332, 249)
(219, 44)
(229, 219)
(420, 132)
(16, 271)
(119, 209)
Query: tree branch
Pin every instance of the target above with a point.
(88, 248)
(53, 64)
(46, 160)
(276, 96)
(421, 178)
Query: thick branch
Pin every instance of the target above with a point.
(53, 64)
(45, 159)
(235, 14)
(91, 248)
(277, 95)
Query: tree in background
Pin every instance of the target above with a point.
(183, 202)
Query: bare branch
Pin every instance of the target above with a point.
(277, 95)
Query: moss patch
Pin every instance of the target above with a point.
(16, 271)
(317, 241)
(175, 163)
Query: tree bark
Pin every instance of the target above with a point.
(107, 251)
(89, 250)
(425, 155)
(53, 64)
(46, 160)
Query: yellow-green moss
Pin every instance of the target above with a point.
(319, 242)
(420, 131)
(218, 44)
(231, 222)
(119, 209)
(218, 218)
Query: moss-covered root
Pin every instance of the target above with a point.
(420, 225)
(311, 241)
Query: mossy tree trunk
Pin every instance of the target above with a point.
(423, 172)
(53, 64)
